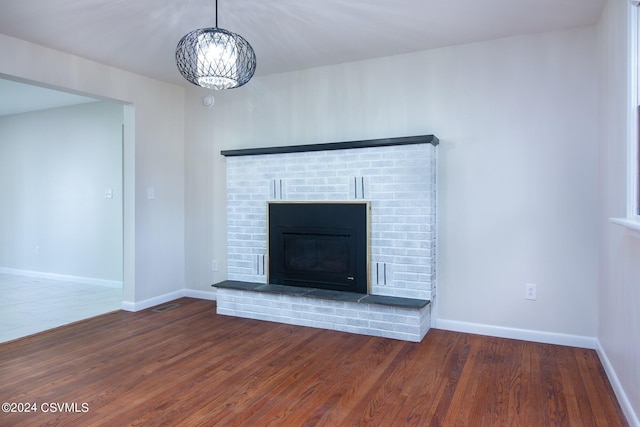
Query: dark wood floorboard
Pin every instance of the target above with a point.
(189, 366)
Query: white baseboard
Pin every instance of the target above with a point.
(192, 293)
(151, 302)
(625, 404)
(161, 299)
(62, 277)
(518, 334)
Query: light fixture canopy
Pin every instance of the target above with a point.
(215, 58)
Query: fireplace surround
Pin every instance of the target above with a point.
(394, 178)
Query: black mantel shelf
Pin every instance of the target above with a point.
(382, 142)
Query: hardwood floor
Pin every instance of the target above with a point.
(189, 366)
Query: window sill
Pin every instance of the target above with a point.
(632, 225)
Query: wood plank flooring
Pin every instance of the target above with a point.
(189, 366)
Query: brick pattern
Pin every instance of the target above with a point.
(366, 319)
(399, 182)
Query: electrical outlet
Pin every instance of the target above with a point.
(530, 291)
(214, 265)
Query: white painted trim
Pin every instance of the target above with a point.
(161, 299)
(129, 201)
(632, 112)
(633, 226)
(151, 302)
(208, 295)
(632, 220)
(518, 334)
(62, 277)
(623, 400)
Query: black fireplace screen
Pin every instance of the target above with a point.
(319, 245)
(316, 252)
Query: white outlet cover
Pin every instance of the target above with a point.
(530, 291)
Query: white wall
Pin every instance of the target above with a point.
(54, 168)
(153, 156)
(619, 280)
(517, 120)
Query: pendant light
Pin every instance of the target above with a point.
(215, 58)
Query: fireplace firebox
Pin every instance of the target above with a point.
(319, 245)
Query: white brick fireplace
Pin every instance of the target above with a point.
(397, 178)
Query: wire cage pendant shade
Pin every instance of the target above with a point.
(215, 58)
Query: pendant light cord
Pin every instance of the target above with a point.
(216, 13)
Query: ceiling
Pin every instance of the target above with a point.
(287, 35)
(16, 97)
